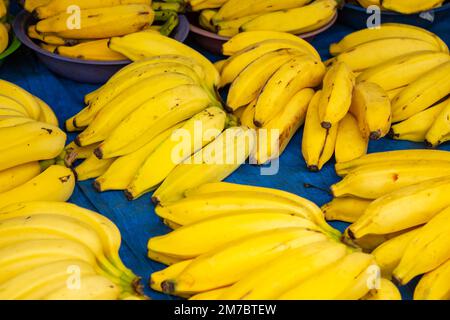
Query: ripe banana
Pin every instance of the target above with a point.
(281, 274)
(16, 176)
(205, 19)
(404, 208)
(318, 143)
(235, 260)
(428, 249)
(247, 39)
(336, 96)
(435, 284)
(344, 168)
(177, 104)
(213, 163)
(141, 45)
(336, 280)
(10, 103)
(387, 30)
(422, 93)
(299, 73)
(372, 109)
(21, 96)
(12, 121)
(196, 239)
(386, 291)
(350, 143)
(389, 253)
(47, 115)
(74, 152)
(49, 38)
(209, 295)
(417, 127)
(122, 171)
(440, 130)
(125, 103)
(403, 70)
(92, 167)
(248, 84)
(347, 209)
(157, 278)
(30, 5)
(90, 50)
(230, 28)
(284, 125)
(54, 184)
(375, 181)
(99, 23)
(411, 6)
(298, 20)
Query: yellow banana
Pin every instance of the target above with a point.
(228, 264)
(157, 278)
(350, 143)
(47, 115)
(347, 209)
(209, 295)
(49, 38)
(197, 5)
(386, 291)
(318, 143)
(439, 131)
(28, 142)
(427, 250)
(367, 3)
(404, 208)
(299, 73)
(23, 97)
(435, 284)
(201, 237)
(336, 280)
(411, 6)
(344, 168)
(75, 152)
(297, 20)
(375, 181)
(205, 19)
(422, 93)
(99, 23)
(284, 272)
(30, 5)
(16, 176)
(92, 167)
(9, 103)
(4, 37)
(230, 28)
(389, 253)
(213, 163)
(12, 121)
(372, 109)
(417, 127)
(90, 50)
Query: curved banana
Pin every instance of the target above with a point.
(427, 250)
(439, 131)
(350, 143)
(157, 278)
(318, 143)
(25, 98)
(404, 208)
(209, 295)
(411, 6)
(30, 5)
(92, 167)
(47, 114)
(12, 121)
(435, 284)
(7, 102)
(386, 291)
(97, 50)
(230, 28)
(13, 177)
(347, 209)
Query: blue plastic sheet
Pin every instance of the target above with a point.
(136, 219)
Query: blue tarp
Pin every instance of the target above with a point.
(136, 219)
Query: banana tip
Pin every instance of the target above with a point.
(168, 286)
(375, 135)
(98, 153)
(351, 234)
(428, 144)
(257, 123)
(128, 195)
(77, 141)
(392, 134)
(156, 200)
(326, 125)
(397, 280)
(97, 186)
(313, 168)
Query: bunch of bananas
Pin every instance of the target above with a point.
(4, 26)
(398, 204)
(229, 17)
(31, 142)
(59, 251)
(81, 29)
(402, 6)
(157, 122)
(235, 241)
(271, 76)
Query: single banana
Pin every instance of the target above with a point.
(417, 127)
(205, 19)
(12, 121)
(213, 163)
(422, 93)
(350, 143)
(230, 28)
(97, 50)
(403, 70)
(386, 291)
(201, 237)
(10, 103)
(318, 143)
(435, 284)
(299, 73)
(375, 181)
(92, 167)
(23, 97)
(389, 253)
(99, 23)
(13, 177)
(347, 209)
(281, 274)
(336, 280)
(336, 96)
(49, 38)
(372, 109)
(427, 250)
(412, 6)
(197, 5)
(157, 278)
(385, 31)
(47, 114)
(201, 129)
(74, 152)
(297, 20)
(404, 208)
(209, 295)
(232, 262)
(439, 131)
(367, 3)
(247, 39)
(54, 184)
(342, 169)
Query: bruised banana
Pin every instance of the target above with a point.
(386, 291)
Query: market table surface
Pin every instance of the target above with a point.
(136, 219)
